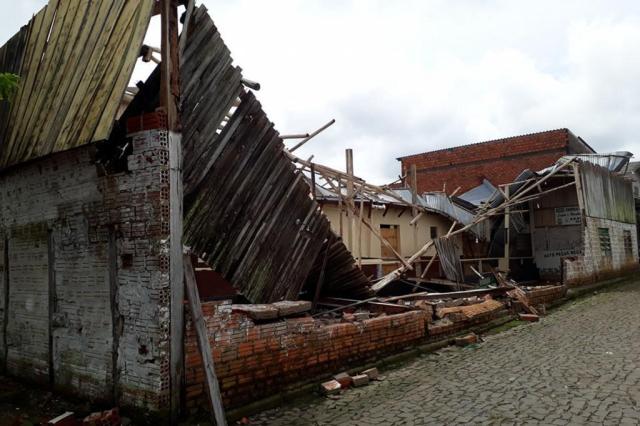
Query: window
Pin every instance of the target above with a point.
(605, 241)
(434, 232)
(627, 244)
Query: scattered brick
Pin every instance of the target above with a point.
(469, 339)
(344, 379)
(529, 317)
(360, 380)
(103, 418)
(371, 373)
(331, 387)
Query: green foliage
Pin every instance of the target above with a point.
(8, 85)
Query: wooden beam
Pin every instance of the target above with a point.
(415, 212)
(169, 68)
(320, 283)
(450, 295)
(176, 271)
(213, 387)
(360, 220)
(295, 136)
(313, 183)
(433, 258)
(507, 232)
(578, 181)
(312, 135)
(349, 196)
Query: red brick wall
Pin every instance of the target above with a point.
(500, 160)
(254, 361)
(468, 176)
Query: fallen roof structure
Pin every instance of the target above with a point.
(68, 96)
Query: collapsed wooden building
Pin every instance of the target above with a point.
(103, 188)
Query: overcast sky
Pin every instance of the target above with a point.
(402, 77)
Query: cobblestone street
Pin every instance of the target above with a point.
(579, 365)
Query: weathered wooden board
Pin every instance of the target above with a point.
(74, 60)
(248, 211)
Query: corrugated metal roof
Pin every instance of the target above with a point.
(614, 161)
(480, 194)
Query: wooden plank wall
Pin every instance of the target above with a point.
(74, 59)
(248, 211)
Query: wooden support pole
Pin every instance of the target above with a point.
(169, 68)
(415, 212)
(312, 135)
(349, 196)
(581, 205)
(433, 258)
(313, 183)
(360, 220)
(340, 206)
(185, 28)
(295, 136)
(213, 387)
(320, 283)
(176, 271)
(507, 226)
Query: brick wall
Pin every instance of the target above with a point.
(66, 222)
(545, 295)
(595, 264)
(253, 361)
(499, 160)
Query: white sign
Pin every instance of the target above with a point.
(568, 216)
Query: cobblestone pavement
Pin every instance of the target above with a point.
(579, 365)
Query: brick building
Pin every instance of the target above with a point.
(499, 161)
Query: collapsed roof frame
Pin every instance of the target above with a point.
(509, 201)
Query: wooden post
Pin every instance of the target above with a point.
(349, 158)
(313, 182)
(507, 223)
(576, 176)
(415, 212)
(169, 67)
(316, 296)
(176, 271)
(213, 387)
(339, 193)
(312, 135)
(169, 99)
(360, 231)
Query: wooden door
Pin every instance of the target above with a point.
(391, 233)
